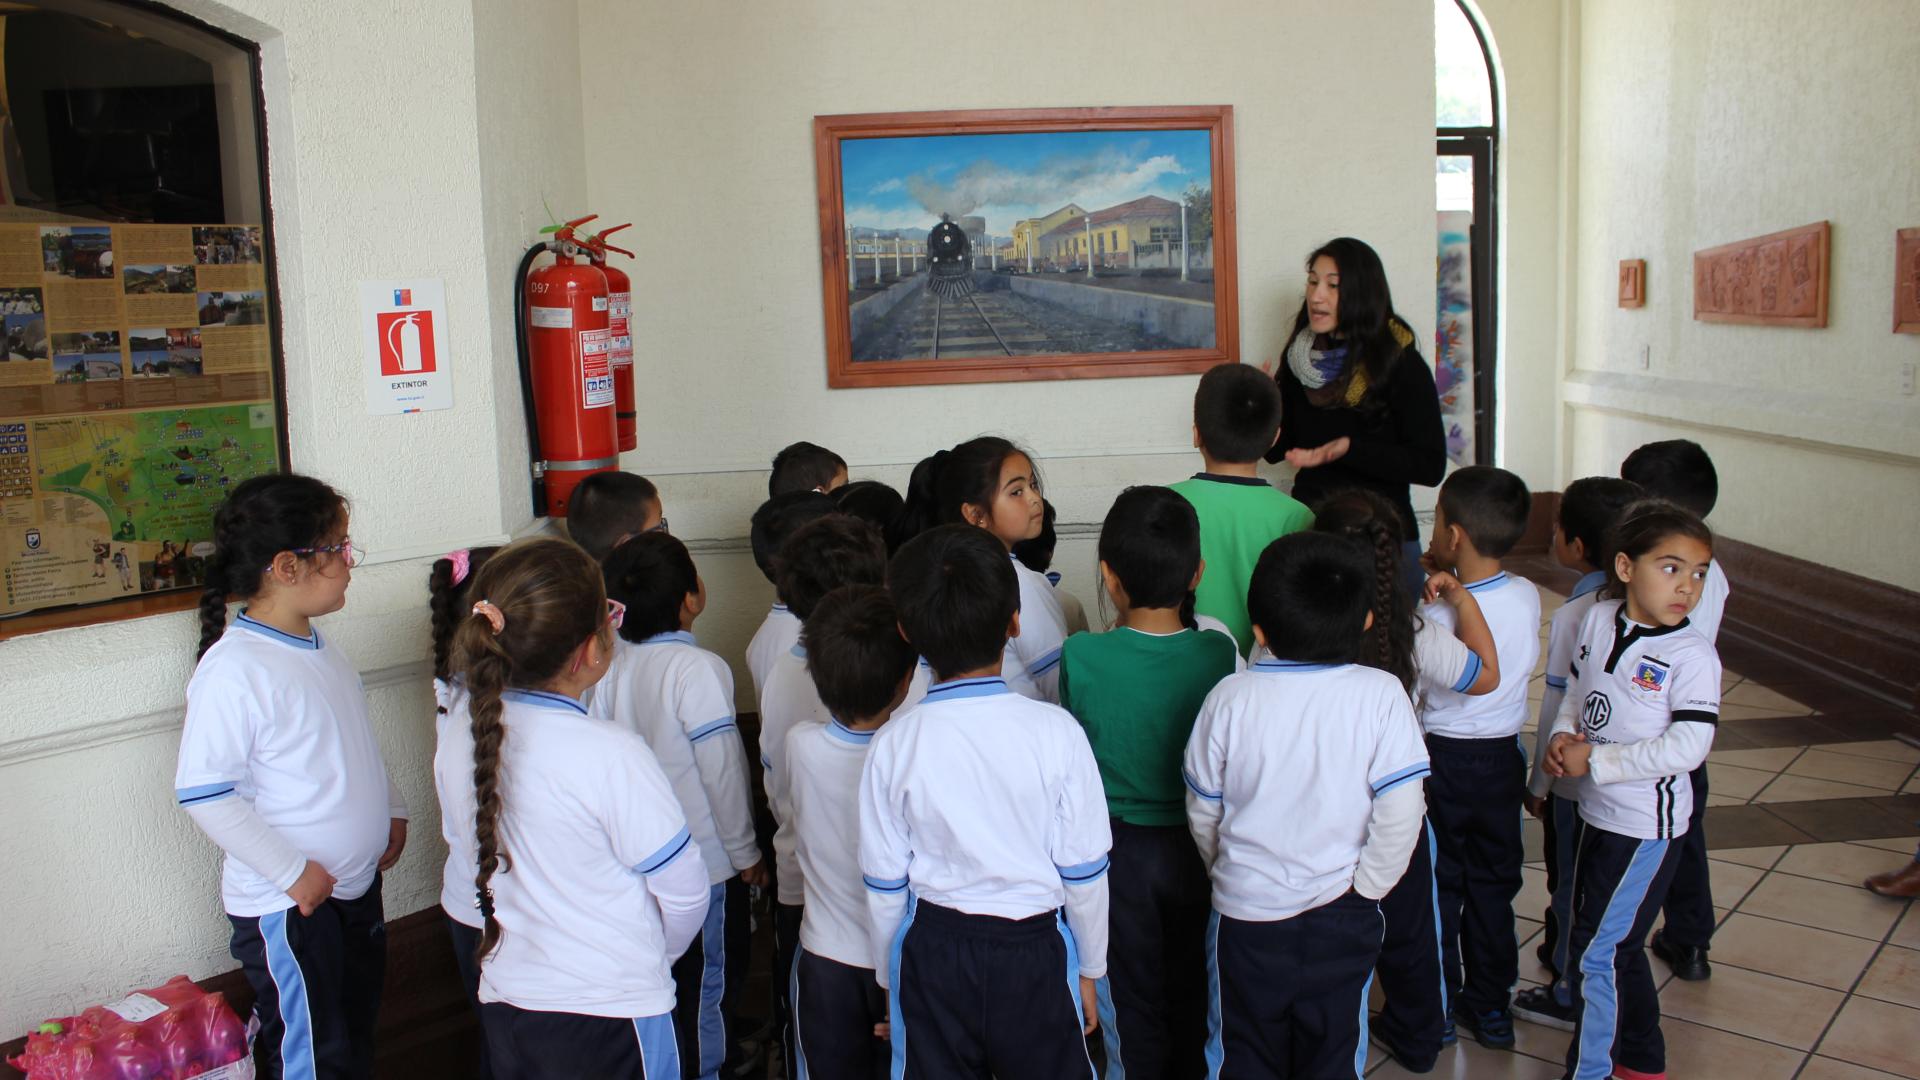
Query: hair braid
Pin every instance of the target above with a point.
(1368, 519)
(213, 611)
(443, 620)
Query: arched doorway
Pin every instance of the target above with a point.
(1467, 125)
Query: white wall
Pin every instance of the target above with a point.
(699, 120)
(400, 147)
(1719, 120)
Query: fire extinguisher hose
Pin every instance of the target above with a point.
(526, 377)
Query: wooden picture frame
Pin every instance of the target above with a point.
(1775, 280)
(1633, 283)
(1066, 257)
(1906, 281)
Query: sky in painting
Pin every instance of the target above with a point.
(908, 182)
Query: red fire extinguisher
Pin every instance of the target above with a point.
(566, 368)
(619, 314)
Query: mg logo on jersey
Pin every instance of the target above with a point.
(33, 539)
(1597, 712)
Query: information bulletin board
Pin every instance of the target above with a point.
(136, 389)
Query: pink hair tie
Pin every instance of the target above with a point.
(462, 561)
(494, 616)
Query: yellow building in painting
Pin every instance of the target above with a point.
(1110, 236)
(1027, 233)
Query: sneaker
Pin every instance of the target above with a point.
(1621, 1072)
(1539, 1006)
(1492, 1029)
(1447, 1035)
(1689, 962)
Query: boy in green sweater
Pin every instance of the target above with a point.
(1236, 419)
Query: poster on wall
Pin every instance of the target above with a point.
(403, 332)
(1453, 333)
(136, 388)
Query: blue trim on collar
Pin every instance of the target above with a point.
(845, 734)
(671, 637)
(310, 643)
(1590, 582)
(985, 686)
(1290, 667)
(799, 650)
(780, 608)
(1493, 582)
(542, 699)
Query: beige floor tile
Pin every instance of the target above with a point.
(1714, 798)
(1821, 957)
(1746, 712)
(1907, 934)
(1731, 881)
(1524, 928)
(1697, 1051)
(1884, 749)
(1754, 1004)
(1895, 977)
(1762, 857)
(1905, 845)
(1729, 680)
(1849, 769)
(1468, 1060)
(1736, 781)
(1912, 788)
(1843, 908)
(1752, 693)
(1786, 788)
(1844, 864)
(1876, 1034)
(1821, 1068)
(1769, 760)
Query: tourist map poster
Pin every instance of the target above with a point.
(136, 388)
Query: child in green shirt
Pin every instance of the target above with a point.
(1236, 418)
(1136, 690)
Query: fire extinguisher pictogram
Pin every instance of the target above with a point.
(566, 372)
(619, 326)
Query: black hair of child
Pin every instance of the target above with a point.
(1490, 505)
(1677, 470)
(447, 600)
(1310, 595)
(855, 652)
(1589, 508)
(262, 517)
(776, 520)
(652, 574)
(956, 593)
(1236, 410)
(970, 475)
(826, 553)
(1643, 525)
(804, 467)
(607, 506)
(1371, 522)
(1151, 541)
(872, 501)
(1037, 554)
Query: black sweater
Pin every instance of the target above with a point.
(1396, 437)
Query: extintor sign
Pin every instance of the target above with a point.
(596, 368)
(404, 329)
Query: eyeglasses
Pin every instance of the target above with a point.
(616, 613)
(349, 554)
(662, 527)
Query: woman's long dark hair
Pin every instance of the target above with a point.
(1366, 314)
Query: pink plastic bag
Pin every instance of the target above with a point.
(174, 1031)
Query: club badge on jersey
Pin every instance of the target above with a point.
(1650, 674)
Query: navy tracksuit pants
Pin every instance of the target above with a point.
(1289, 997)
(1620, 883)
(316, 984)
(1473, 803)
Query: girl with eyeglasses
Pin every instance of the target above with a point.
(279, 766)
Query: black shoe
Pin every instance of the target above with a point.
(1492, 1029)
(1689, 962)
(1540, 1006)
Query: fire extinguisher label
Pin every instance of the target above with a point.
(596, 369)
(621, 306)
(599, 303)
(553, 318)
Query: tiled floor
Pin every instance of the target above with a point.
(1814, 977)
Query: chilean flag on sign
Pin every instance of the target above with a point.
(403, 297)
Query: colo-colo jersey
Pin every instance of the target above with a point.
(1031, 663)
(1512, 609)
(778, 632)
(278, 764)
(587, 818)
(789, 701)
(679, 697)
(987, 802)
(1304, 781)
(1563, 635)
(1649, 699)
(826, 760)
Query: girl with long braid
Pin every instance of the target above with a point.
(587, 882)
(1413, 1023)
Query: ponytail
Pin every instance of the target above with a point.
(447, 583)
(261, 518)
(920, 507)
(548, 598)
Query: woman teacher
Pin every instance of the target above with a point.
(1358, 406)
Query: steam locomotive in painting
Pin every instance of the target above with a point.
(949, 260)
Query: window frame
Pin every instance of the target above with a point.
(1481, 143)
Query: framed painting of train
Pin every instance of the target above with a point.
(1009, 245)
